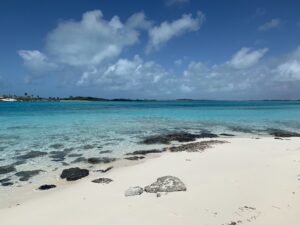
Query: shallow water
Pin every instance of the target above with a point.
(112, 129)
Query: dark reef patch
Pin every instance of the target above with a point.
(283, 133)
(7, 169)
(32, 154)
(135, 158)
(102, 180)
(145, 152)
(95, 160)
(57, 146)
(26, 175)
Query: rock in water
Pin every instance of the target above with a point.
(105, 160)
(166, 184)
(102, 180)
(7, 169)
(75, 173)
(46, 187)
(132, 191)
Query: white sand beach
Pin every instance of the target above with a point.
(245, 181)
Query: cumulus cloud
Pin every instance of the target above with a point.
(159, 35)
(246, 57)
(36, 61)
(272, 24)
(93, 39)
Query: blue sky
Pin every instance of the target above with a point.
(235, 49)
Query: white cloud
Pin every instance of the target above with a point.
(246, 58)
(274, 23)
(175, 2)
(93, 39)
(159, 35)
(36, 61)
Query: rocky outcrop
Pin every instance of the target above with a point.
(282, 133)
(95, 160)
(7, 169)
(75, 173)
(132, 191)
(32, 154)
(104, 170)
(166, 184)
(47, 187)
(195, 147)
(178, 136)
(6, 182)
(145, 152)
(26, 175)
(102, 180)
(132, 158)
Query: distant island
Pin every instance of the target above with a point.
(36, 98)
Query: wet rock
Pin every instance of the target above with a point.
(74, 155)
(145, 152)
(7, 169)
(227, 135)
(104, 170)
(6, 182)
(58, 156)
(32, 154)
(132, 191)
(79, 160)
(75, 173)
(95, 160)
(26, 175)
(166, 184)
(135, 158)
(105, 151)
(47, 187)
(196, 147)
(57, 146)
(102, 180)
(282, 133)
(19, 162)
(179, 136)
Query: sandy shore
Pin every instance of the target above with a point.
(247, 181)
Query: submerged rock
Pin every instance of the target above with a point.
(88, 147)
(102, 180)
(95, 160)
(75, 173)
(74, 155)
(166, 184)
(178, 136)
(79, 160)
(195, 147)
(135, 157)
(58, 156)
(105, 151)
(6, 182)
(145, 152)
(26, 175)
(7, 169)
(227, 135)
(132, 191)
(57, 146)
(282, 133)
(32, 154)
(47, 187)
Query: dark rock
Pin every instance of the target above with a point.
(32, 154)
(4, 180)
(79, 160)
(145, 152)
(56, 146)
(105, 151)
(74, 155)
(95, 160)
(179, 136)
(7, 169)
(166, 184)
(132, 191)
(105, 170)
(19, 162)
(135, 157)
(282, 133)
(195, 147)
(102, 180)
(75, 173)
(58, 156)
(5, 184)
(26, 175)
(227, 135)
(88, 147)
(47, 186)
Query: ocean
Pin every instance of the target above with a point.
(79, 129)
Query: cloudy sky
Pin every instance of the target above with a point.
(204, 49)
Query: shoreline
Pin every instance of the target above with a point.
(265, 155)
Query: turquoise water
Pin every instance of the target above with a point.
(91, 128)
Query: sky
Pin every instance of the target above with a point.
(167, 49)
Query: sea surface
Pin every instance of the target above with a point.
(112, 129)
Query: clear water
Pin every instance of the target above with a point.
(92, 127)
